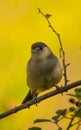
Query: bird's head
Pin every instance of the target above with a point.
(40, 51)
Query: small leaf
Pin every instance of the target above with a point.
(55, 118)
(78, 90)
(34, 128)
(72, 109)
(72, 100)
(73, 95)
(79, 114)
(78, 93)
(61, 112)
(41, 120)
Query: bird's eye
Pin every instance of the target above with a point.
(40, 48)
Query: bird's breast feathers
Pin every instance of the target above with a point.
(43, 75)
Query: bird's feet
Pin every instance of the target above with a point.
(36, 101)
(59, 89)
(35, 98)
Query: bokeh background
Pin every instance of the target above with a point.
(20, 26)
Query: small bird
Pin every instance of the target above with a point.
(43, 70)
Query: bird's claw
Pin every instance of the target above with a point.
(59, 89)
(35, 101)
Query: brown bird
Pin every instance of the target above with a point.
(43, 70)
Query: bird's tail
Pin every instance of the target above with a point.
(28, 97)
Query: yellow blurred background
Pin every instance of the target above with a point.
(20, 26)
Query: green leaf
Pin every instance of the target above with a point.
(34, 128)
(78, 93)
(41, 120)
(73, 95)
(61, 112)
(77, 90)
(55, 118)
(72, 109)
(79, 114)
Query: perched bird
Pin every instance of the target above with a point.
(43, 70)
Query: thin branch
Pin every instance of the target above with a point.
(79, 121)
(62, 52)
(73, 117)
(39, 99)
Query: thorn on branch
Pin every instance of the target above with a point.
(48, 15)
(63, 74)
(68, 81)
(49, 25)
(39, 10)
(68, 64)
